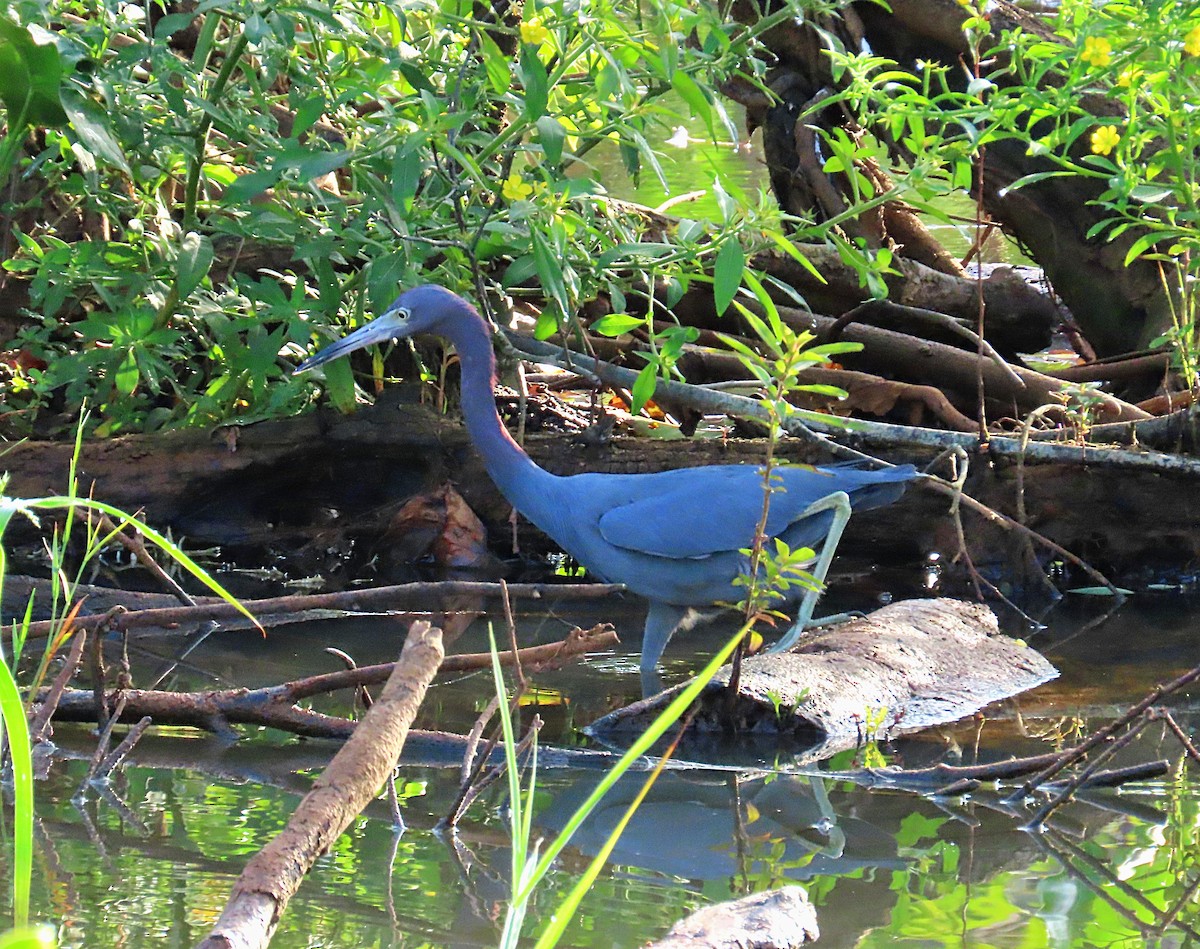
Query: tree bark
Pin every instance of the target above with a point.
(352, 779)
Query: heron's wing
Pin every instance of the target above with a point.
(703, 511)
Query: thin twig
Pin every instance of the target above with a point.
(102, 745)
(39, 728)
(1071, 786)
(1184, 739)
(121, 752)
(1070, 757)
(137, 546)
(378, 598)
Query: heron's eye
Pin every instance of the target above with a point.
(403, 313)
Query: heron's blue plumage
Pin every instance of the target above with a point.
(675, 537)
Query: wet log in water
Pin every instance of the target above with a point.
(905, 667)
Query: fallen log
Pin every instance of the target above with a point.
(905, 667)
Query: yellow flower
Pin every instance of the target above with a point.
(1191, 42)
(1105, 139)
(533, 32)
(1128, 77)
(514, 189)
(1097, 51)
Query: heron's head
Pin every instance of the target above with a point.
(419, 310)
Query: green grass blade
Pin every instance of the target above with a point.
(12, 712)
(173, 550)
(566, 909)
(657, 728)
(34, 937)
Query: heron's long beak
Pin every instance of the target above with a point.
(388, 326)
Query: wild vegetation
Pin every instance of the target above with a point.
(195, 198)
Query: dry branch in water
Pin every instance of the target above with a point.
(352, 779)
(292, 607)
(275, 706)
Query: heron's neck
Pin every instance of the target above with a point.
(520, 480)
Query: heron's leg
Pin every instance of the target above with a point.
(839, 504)
(661, 621)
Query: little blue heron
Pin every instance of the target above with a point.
(674, 537)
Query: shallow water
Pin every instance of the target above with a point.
(883, 867)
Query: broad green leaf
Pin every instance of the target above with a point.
(546, 325)
(1150, 194)
(126, 378)
(727, 274)
(495, 64)
(552, 136)
(550, 274)
(172, 23)
(416, 78)
(691, 93)
(643, 387)
(537, 83)
(30, 78)
(339, 383)
(195, 257)
(614, 324)
(250, 186)
(407, 167)
(311, 163)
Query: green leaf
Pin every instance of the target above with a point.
(691, 93)
(1150, 194)
(496, 65)
(643, 387)
(172, 23)
(311, 163)
(126, 378)
(552, 136)
(727, 274)
(614, 324)
(250, 186)
(339, 383)
(416, 78)
(30, 78)
(537, 83)
(550, 273)
(195, 257)
(407, 167)
(90, 123)
(546, 325)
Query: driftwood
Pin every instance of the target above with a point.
(352, 779)
(906, 666)
(275, 706)
(280, 610)
(775, 919)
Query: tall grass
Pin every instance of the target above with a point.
(15, 700)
